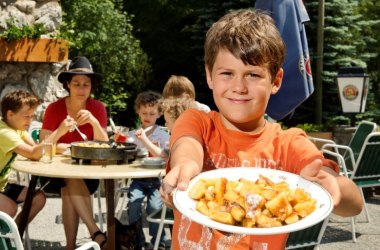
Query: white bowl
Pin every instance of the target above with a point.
(153, 160)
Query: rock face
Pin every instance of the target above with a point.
(38, 78)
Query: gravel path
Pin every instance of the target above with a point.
(47, 232)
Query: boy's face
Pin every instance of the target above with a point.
(20, 120)
(148, 115)
(241, 92)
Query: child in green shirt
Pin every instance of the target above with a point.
(17, 110)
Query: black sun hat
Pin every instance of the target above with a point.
(79, 66)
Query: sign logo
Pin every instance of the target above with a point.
(350, 92)
(304, 66)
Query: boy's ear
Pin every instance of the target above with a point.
(208, 77)
(9, 114)
(277, 81)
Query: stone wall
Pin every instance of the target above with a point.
(39, 78)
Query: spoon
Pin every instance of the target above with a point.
(148, 128)
(84, 137)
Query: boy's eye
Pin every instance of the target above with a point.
(253, 75)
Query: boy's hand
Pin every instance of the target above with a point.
(140, 134)
(179, 177)
(323, 176)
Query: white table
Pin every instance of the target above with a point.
(65, 167)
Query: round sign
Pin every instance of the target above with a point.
(350, 92)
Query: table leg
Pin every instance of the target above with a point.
(110, 198)
(27, 205)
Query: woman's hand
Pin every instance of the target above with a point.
(84, 116)
(67, 125)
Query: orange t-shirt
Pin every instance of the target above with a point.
(288, 150)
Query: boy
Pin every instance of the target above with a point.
(17, 110)
(181, 86)
(243, 57)
(173, 107)
(148, 106)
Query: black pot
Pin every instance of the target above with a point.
(124, 152)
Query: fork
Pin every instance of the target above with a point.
(84, 137)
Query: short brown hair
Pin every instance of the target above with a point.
(176, 106)
(249, 35)
(17, 99)
(148, 98)
(178, 86)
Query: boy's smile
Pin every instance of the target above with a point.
(241, 92)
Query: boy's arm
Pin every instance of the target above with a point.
(29, 151)
(153, 149)
(186, 161)
(346, 195)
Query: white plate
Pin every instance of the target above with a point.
(153, 165)
(324, 206)
(67, 152)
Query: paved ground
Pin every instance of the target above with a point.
(46, 231)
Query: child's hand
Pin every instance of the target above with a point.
(141, 135)
(325, 177)
(179, 177)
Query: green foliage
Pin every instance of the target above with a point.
(349, 40)
(100, 31)
(15, 32)
(338, 120)
(310, 127)
(172, 34)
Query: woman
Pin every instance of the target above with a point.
(90, 115)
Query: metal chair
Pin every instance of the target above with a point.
(366, 170)
(9, 236)
(89, 245)
(351, 151)
(308, 237)
(161, 217)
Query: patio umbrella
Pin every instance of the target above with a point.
(297, 84)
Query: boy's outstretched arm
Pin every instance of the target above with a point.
(346, 195)
(186, 161)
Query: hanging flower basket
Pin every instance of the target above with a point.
(34, 50)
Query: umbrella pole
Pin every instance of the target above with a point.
(319, 86)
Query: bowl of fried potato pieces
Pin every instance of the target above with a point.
(254, 201)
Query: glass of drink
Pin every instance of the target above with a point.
(122, 134)
(48, 149)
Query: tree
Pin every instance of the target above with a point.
(172, 34)
(344, 43)
(99, 30)
(371, 13)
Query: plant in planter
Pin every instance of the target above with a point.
(17, 33)
(25, 44)
(342, 130)
(317, 131)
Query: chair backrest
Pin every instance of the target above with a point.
(9, 236)
(356, 143)
(361, 133)
(307, 237)
(89, 245)
(366, 172)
